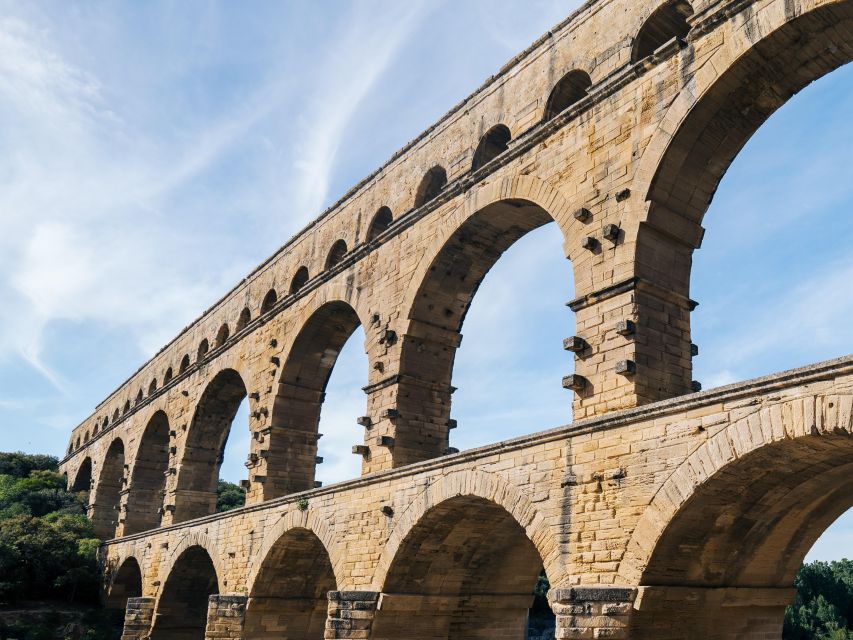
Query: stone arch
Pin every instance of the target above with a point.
(382, 219)
(222, 335)
(125, 583)
(336, 253)
(460, 562)
(104, 505)
(741, 512)
(167, 377)
(147, 484)
(269, 301)
(493, 143)
(299, 398)
(738, 89)
(198, 471)
(83, 477)
(203, 348)
(568, 90)
(471, 240)
(192, 577)
(299, 279)
(288, 587)
(244, 319)
(433, 182)
(152, 387)
(667, 22)
(185, 363)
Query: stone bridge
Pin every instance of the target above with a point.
(659, 513)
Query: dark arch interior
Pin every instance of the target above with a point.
(431, 185)
(571, 88)
(152, 387)
(222, 335)
(299, 279)
(208, 433)
(182, 607)
(167, 377)
(148, 482)
(244, 319)
(751, 525)
(105, 510)
(127, 583)
(185, 364)
(269, 301)
(437, 315)
(336, 254)
(301, 390)
(493, 144)
(83, 479)
(666, 23)
(466, 570)
(203, 348)
(381, 221)
(289, 596)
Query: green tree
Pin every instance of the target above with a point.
(823, 608)
(229, 496)
(21, 464)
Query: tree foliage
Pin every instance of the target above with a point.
(823, 609)
(229, 496)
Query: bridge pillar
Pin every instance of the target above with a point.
(139, 612)
(225, 616)
(593, 612)
(697, 613)
(351, 614)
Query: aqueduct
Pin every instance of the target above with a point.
(660, 512)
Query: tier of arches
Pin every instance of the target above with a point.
(668, 22)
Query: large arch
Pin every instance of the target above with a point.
(148, 477)
(447, 280)
(126, 583)
(288, 597)
(781, 49)
(465, 569)
(299, 399)
(104, 506)
(198, 473)
(739, 515)
(83, 477)
(181, 610)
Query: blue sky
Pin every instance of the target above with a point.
(151, 154)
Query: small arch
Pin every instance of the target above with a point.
(96, 429)
(106, 422)
(431, 185)
(86, 437)
(291, 588)
(168, 376)
(570, 89)
(127, 583)
(493, 144)
(185, 363)
(269, 301)
(116, 415)
(336, 253)
(152, 387)
(182, 606)
(244, 319)
(222, 335)
(381, 221)
(667, 22)
(139, 396)
(203, 348)
(299, 279)
(126, 408)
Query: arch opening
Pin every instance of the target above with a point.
(570, 89)
(148, 479)
(289, 596)
(222, 335)
(437, 314)
(244, 319)
(381, 222)
(431, 185)
(185, 363)
(83, 478)
(198, 478)
(666, 23)
(300, 278)
(300, 395)
(104, 509)
(203, 348)
(466, 570)
(182, 606)
(127, 583)
(336, 253)
(493, 143)
(748, 526)
(269, 301)
(167, 377)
